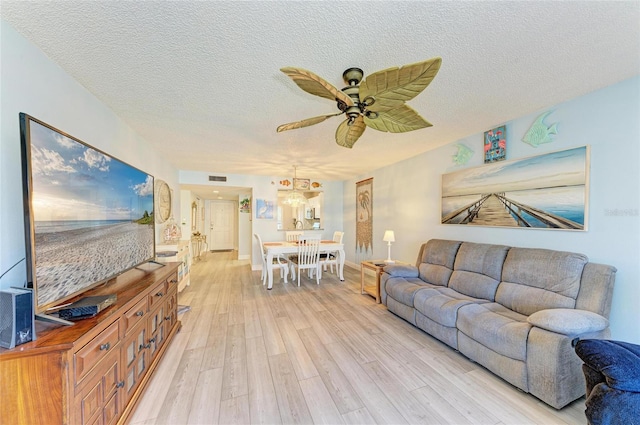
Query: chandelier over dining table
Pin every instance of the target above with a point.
(295, 198)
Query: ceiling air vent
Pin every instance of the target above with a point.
(217, 178)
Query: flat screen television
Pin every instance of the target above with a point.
(88, 216)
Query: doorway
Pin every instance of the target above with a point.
(222, 227)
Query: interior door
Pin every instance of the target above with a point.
(222, 225)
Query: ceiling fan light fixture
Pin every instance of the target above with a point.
(379, 101)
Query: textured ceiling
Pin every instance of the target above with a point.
(200, 80)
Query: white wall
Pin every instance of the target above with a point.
(407, 195)
(33, 84)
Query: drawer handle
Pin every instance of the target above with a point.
(105, 347)
(120, 384)
(167, 318)
(173, 281)
(152, 340)
(140, 313)
(159, 294)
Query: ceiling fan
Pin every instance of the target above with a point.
(378, 102)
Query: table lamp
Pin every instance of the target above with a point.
(388, 238)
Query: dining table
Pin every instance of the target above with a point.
(285, 248)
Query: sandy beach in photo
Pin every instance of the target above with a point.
(68, 261)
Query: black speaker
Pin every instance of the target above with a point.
(16, 317)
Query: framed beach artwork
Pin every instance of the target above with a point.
(495, 144)
(264, 209)
(548, 191)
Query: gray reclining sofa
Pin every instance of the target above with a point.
(513, 310)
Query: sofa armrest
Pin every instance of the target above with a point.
(401, 270)
(568, 321)
(618, 362)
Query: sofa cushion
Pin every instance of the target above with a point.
(537, 279)
(435, 261)
(403, 290)
(568, 321)
(478, 269)
(486, 259)
(401, 270)
(441, 304)
(473, 284)
(496, 327)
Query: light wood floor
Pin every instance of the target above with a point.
(317, 354)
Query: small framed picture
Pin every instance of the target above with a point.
(301, 184)
(495, 144)
(264, 208)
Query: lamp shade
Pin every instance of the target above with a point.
(389, 236)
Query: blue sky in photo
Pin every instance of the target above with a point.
(72, 181)
(556, 169)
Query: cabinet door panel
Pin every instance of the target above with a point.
(91, 404)
(112, 410)
(98, 386)
(135, 356)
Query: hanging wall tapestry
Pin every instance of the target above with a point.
(545, 192)
(364, 217)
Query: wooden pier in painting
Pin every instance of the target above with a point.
(495, 209)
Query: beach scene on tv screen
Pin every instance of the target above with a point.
(92, 215)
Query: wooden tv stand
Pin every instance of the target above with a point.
(94, 371)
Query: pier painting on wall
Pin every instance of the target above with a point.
(547, 191)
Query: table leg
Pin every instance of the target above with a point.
(270, 270)
(341, 262)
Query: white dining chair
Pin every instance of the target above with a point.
(331, 258)
(292, 236)
(307, 258)
(279, 262)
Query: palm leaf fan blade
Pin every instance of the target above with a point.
(393, 86)
(305, 123)
(399, 120)
(347, 135)
(316, 85)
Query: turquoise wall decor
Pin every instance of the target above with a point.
(539, 133)
(463, 155)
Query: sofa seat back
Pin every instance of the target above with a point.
(538, 279)
(477, 270)
(435, 261)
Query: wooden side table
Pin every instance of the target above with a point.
(378, 267)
